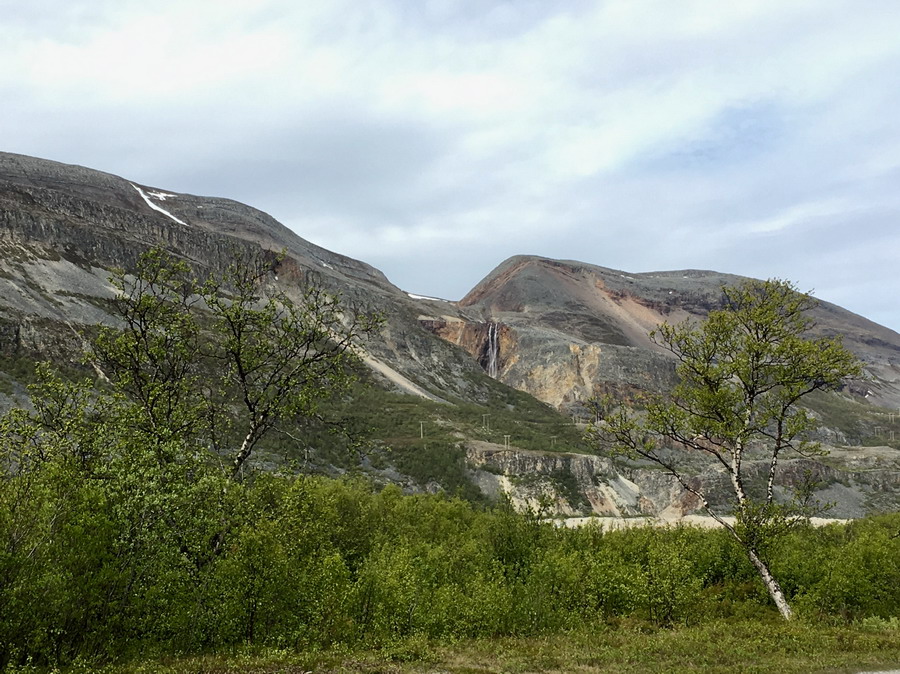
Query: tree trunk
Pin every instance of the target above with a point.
(771, 585)
(242, 455)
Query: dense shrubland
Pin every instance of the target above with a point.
(106, 555)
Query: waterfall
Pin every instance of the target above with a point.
(493, 350)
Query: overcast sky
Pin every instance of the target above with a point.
(435, 138)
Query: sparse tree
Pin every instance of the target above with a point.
(278, 356)
(227, 359)
(742, 376)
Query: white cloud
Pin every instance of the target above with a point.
(638, 134)
(793, 215)
(150, 57)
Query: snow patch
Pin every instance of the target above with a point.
(425, 297)
(162, 196)
(325, 264)
(155, 207)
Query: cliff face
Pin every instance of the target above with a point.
(562, 331)
(857, 480)
(573, 330)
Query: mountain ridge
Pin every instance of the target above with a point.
(93, 217)
(589, 304)
(561, 331)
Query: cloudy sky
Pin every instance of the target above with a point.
(435, 138)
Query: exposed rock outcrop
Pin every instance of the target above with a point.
(562, 331)
(63, 227)
(856, 480)
(576, 329)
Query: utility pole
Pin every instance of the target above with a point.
(422, 429)
(553, 441)
(506, 441)
(486, 421)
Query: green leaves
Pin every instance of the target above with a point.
(218, 363)
(154, 357)
(742, 374)
(278, 352)
(115, 503)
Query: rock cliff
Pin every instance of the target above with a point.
(570, 330)
(62, 228)
(856, 480)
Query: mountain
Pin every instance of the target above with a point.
(62, 228)
(569, 330)
(560, 331)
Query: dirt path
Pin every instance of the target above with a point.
(702, 521)
(396, 378)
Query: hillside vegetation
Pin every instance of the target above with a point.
(116, 549)
(130, 564)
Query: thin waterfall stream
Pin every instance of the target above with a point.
(493, 350)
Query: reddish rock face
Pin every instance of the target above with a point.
(493, 345)
(546, 302)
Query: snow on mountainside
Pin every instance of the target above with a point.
(62, 227)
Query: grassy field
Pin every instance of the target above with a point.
(630, 647)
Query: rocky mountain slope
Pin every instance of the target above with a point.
(62, 228)
(565, 331)
(561, 331)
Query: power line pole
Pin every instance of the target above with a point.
(422, 429)
(506, 441)
(486, 421)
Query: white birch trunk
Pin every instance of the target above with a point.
(242, 455)
(772, 586)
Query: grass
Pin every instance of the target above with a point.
(15, 370)
(420, 438)
(423, 439)
(757, 646)
(397, 419)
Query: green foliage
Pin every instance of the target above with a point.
(742, 374)
(845, 572)
(122, 535)
(394, 419)
(15, 369)
(226, 360)
(96, 567)
(860, 422)
(423, 439)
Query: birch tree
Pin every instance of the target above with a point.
(223, 361)
(278, 356)
(742, 376)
